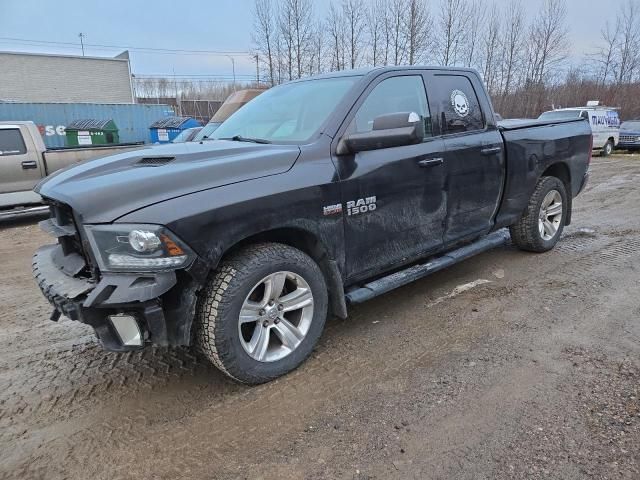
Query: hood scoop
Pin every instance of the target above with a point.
(154, 161)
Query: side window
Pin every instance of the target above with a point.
(11, 142)
(585, 115)
(393, 95)
(458, 103)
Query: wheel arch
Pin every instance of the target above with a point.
(561, 171)
(313, 246)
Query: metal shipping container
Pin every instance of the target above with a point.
(133, 120)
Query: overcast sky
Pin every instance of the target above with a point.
(213, 25)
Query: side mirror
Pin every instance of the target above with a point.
(390, 130)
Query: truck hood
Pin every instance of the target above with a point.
(102, 190)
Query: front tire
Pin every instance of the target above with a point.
(541, 225)
(262, 312)
(607, 149)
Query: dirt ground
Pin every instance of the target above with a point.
(510, 365)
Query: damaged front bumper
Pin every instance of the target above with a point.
(119, 305)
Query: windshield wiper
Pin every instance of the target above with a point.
(240, 138)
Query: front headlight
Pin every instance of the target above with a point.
(137, 248)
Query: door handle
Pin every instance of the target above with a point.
(490, 151)
(431, 162)
(29, 165)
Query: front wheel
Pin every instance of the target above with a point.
(262, 312)
(540, 227)
(607, 149)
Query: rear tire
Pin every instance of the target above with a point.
(607, 149)
(541, 225)
(262, 312)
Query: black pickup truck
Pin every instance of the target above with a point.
(318, 194)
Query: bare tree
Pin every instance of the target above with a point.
(475, 28)
(387, 28)
(317, 56)
(629, 42)
(512, 46)
(490, 45)
(355, 17)
(606, 56)
(337, 33)
(548, 45)
(303, 23)
(451, 33)
(287, 35)
(264, 35)
(296, 28)
(417, 27)
(398, 39)
(376, 16)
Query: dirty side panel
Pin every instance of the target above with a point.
(530, 151)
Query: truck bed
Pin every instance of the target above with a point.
(519, 123)
(533, 146)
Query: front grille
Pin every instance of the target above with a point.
(62, 216)
(629, 138)
(61, 224)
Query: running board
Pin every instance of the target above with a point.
(411, 274)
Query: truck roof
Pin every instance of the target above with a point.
(362, 72)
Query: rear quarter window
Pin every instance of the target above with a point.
(11, 142)
(458, 103)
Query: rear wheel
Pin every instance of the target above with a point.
(262, 312)
(541, 225)
(607, 149)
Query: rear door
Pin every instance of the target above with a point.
(19, 162)
(474, 157)
(393, 199)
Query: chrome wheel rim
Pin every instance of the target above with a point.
(550, 216)
(276, 316)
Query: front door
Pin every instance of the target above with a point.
(473, 158)
(19, 170)
(393, 198)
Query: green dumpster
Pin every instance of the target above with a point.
(87, 132)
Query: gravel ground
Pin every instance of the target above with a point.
(510, 365)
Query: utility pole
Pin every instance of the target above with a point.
(82, 35)
(257, 70)
(175, 86)
(233, 65)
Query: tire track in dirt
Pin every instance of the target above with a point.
(327, 377)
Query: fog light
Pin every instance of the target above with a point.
(128, 329)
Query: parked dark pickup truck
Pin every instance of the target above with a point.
(318, 194)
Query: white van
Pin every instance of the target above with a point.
(604, 121)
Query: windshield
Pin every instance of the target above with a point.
(292, 112)
(206, 131)
(560, 114)
(631, 125)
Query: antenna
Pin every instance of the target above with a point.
(82, 35)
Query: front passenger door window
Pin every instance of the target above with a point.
(393, 95)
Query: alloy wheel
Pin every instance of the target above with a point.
(276, 316)
(550, 217)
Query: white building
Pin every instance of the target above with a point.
(29, 77)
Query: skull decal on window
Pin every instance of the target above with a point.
(460, 103)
